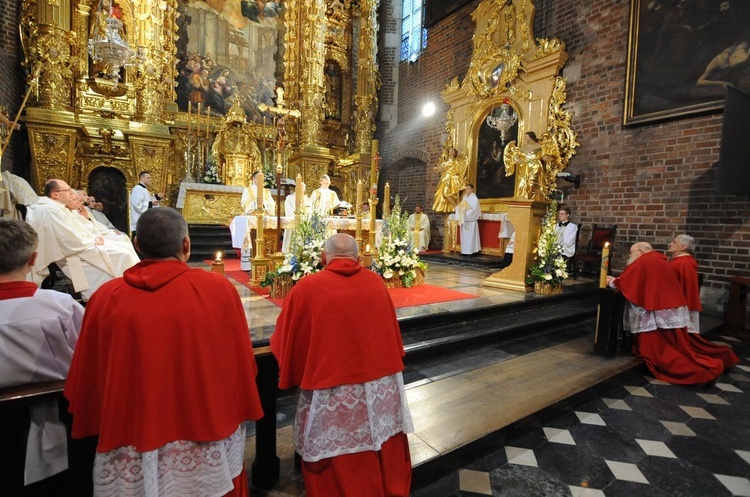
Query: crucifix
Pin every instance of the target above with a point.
(280, 114)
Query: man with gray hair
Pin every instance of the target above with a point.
(164, 375)
(659, 319)
(346, 355)
(38, 331)
(681, 251)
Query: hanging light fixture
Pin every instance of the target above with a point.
(107, 46)
(504, 120)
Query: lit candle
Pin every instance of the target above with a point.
(217, 266)
(190, 110)
(198, 120)
(605, 266)
(359, 196)
(387, 199)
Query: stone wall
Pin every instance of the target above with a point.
(11, 82)
(652, 180)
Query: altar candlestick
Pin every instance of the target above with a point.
(359, 196)
(260, 202)
(387, 199)
(367, 257)
(190, 110)
(298, 198)
(198, 120)
(605, 266)
(374, 163)
(217, 266)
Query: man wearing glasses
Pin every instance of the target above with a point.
(87, 259)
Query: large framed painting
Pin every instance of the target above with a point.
(682, 54)
(491, 179)
(437, 10)
(229, 49)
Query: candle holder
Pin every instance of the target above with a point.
(217, 266)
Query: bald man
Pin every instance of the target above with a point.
(659, 317)
(352, 416)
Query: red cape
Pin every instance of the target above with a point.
(164, 354)
(687, 272)
(651, 283)
(337, 327)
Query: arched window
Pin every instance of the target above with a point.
(413, 32)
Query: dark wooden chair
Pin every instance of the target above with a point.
(591, 259)
(573, 261)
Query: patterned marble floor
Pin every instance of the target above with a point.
(642, 437)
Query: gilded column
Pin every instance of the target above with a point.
(366, 99)
(313, 59)
(155, 42)
(47, 40)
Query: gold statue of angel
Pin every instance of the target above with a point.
(537, 163)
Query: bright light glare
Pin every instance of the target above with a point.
(428, 109)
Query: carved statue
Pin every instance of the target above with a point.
(533, 160)
(452, 180)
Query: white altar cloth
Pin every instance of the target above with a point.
(238, 226)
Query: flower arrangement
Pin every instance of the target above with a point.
(397, 259)
(551, 266)
(305, 250)
(212, 172)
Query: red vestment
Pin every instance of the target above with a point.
(164, 355)
(672, 354)
(686, 268)
(339, 327)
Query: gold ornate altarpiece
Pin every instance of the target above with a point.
(509, 66)
(79, 120)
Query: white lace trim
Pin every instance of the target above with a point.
(695, 322)
(178, 469)
(639, 320)
(350, 418)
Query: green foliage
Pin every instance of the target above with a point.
(396, 257)
(551, 266)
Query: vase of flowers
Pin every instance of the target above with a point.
(212, 172)
(550, 269)
(303, 258)
(398, 262)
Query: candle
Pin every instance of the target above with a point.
(359, 196)
(299, 188)
(605, 266)
(374, 163)
(198, 119)
(208, 120)
(217, 266)
(190, 110)
(387, 200)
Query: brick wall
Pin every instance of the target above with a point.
(652, 180)
(12, 85)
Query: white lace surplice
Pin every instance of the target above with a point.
(350, 418)
(639, 320)
(178, 469)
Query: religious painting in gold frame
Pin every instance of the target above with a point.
(681, 55)
(228, 49)
(491, 181)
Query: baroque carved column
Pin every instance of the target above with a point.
(368, 77)
(312, 60)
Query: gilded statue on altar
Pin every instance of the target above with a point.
(452, 172)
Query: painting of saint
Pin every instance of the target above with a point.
(491, 180)
(229, 49)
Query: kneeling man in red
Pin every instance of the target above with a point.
(164, 375)
(659, 317)
(338, 339)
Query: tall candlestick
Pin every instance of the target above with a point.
(387, 200)
(198, 120)
(298, 198)
(190, 111)
(359, 196)
(260, 201)
(605, 266)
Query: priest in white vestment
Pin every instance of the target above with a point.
(290, 206)
(467, 214)
(419, 229)
(18, 191)
(87, 259)
(323, 200)
(249, 200)
(141, 199)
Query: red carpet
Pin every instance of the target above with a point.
(402, 297)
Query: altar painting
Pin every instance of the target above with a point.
(229, 49)
(491, 180)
